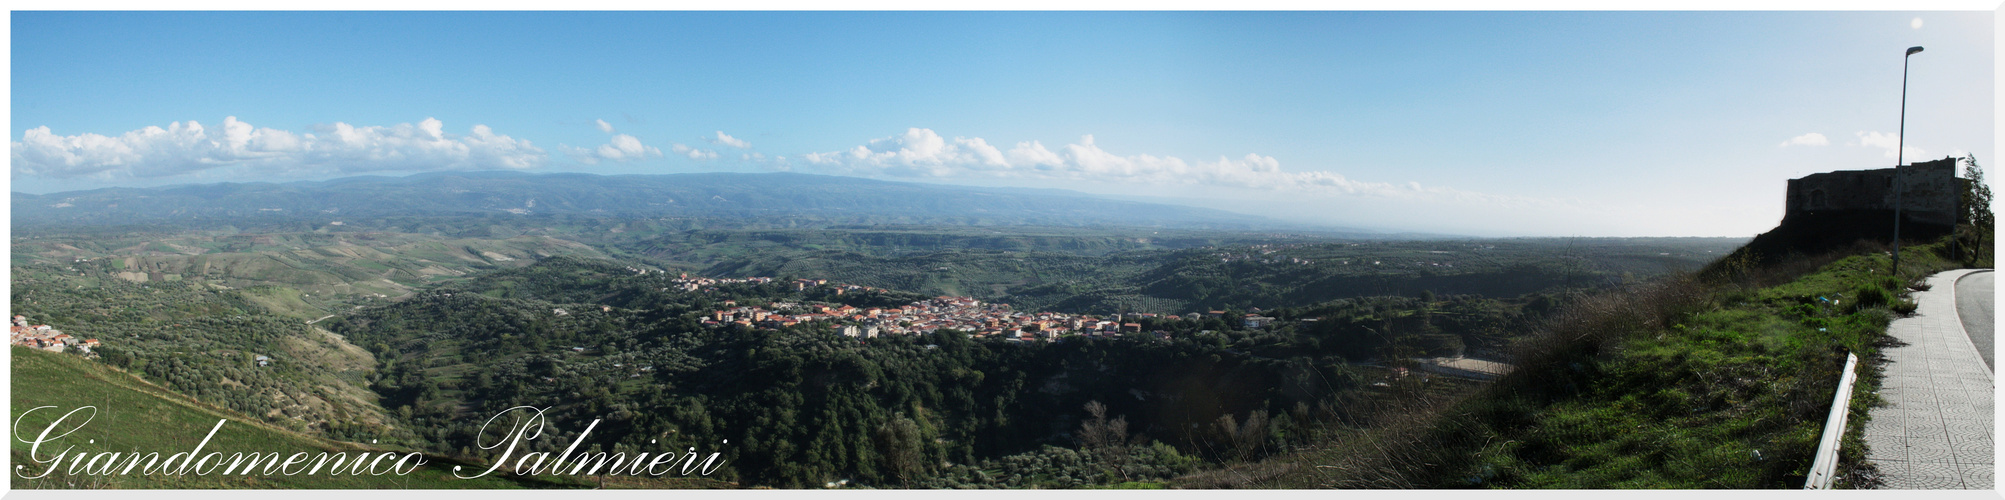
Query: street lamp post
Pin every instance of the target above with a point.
(1900, 149)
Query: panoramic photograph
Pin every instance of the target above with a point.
(1001, 250)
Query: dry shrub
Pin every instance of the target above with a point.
(1395, 449)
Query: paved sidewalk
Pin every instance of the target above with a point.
(1935, 432)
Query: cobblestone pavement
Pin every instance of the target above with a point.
(1936, 430)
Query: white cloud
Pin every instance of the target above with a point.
(1889, 142)
(923, 153)
(693, 153)
(727, 140)
(1916, 23)
(1810, 139)
(605, 127)
(621, 148)
(184, 148)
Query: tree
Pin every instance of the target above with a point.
(1976, 225)
(898, 443)
(1106, 440)
(1242, 439)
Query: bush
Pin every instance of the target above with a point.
(1867, 297)
(1904, 307)
(1890, 283)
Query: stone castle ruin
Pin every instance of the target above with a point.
(1932, 196)
(1833, 210)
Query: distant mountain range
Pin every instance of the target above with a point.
(694, 195)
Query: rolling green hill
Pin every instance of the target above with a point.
(136, 415)
(1280, 273)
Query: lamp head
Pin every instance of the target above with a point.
(1912, 50)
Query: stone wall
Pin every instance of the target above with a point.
(1932, 194)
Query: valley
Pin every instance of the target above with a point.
(825, 352)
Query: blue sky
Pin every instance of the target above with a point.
(1487, 123)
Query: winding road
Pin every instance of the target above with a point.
(1974, 307)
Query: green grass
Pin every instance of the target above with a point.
(1682, 384)
(1731, 395)
(135, 415)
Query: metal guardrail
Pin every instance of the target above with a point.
(1824, 469)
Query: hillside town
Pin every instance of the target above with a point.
(947, 312)
(45, 338)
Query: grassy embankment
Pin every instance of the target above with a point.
(136, 415)
(1716, 380)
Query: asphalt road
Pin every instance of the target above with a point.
(1973, 304)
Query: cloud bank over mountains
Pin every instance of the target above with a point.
(339, 148)
(920, 153)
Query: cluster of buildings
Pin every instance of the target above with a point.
(1262, 257)
(1260, 254)
(688, 284)
(45, 338)
(956, 313)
